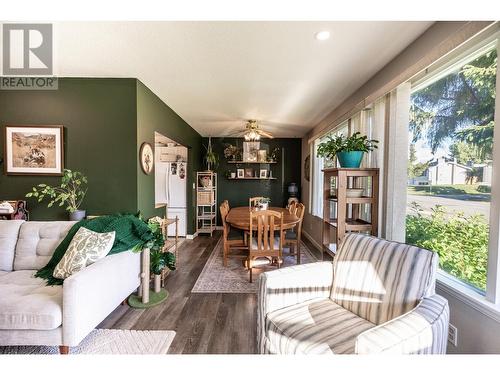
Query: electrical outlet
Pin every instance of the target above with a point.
(453, 335)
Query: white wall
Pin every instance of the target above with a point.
(477, 333)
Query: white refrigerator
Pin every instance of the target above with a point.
(171, 189)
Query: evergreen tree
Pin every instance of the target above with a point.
(460, 106)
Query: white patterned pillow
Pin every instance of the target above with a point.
(85, 248)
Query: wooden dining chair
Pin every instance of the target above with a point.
(293, 236)
(253, 201)
(292, 207)
(232, 239)
(266, 237)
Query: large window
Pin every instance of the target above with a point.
(450, 166)
(318, 165)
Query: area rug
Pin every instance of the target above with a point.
(215, 278)
(108, 341)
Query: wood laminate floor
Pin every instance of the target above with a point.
(205, 323)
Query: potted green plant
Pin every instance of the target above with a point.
(348, 150)
(70, 192)
(264, 204)
(158, 259)
(211, 158)
(157, 262)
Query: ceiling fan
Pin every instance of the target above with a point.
(252, 132)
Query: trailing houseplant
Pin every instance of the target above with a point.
(211, 158)
(348, 150)
(69, 193)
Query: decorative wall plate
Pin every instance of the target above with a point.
(146, 157)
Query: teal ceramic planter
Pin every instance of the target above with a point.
(350, 159)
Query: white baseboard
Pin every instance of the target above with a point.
(313, 241)
(191, 236)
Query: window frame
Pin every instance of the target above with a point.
(488, 301)
(317, 164)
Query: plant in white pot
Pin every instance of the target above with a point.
(264, 204)
(348, 150)
(70, 192)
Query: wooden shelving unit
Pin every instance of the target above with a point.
(206, 202)
(171, 243)
(343, 214)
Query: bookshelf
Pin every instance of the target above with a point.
(206, 202)
(342, 211)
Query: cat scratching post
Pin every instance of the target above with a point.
(145, 297)
(145, 276)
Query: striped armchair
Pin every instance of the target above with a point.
(376, 297)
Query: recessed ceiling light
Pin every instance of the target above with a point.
(322, 35)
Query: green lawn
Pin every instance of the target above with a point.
(478, 190)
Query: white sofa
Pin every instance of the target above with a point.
(376, 297)
(32, 313)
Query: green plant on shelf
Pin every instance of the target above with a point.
(341, 143)
(211, 158)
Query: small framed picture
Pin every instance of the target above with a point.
(241, 173)
(263, 173)
(34, 150)
(248, 172)
(262, 155)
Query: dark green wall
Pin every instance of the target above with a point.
(99, 119)
(154, 115)
(286, 170)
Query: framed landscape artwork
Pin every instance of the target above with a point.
(34, 150)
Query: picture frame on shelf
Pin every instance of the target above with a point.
(240, 173)
(34, 150)
(248, 172)
(263, 173)
(250, 151)
(262, 156)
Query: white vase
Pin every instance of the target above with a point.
(77, 215)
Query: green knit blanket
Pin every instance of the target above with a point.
(130, 231)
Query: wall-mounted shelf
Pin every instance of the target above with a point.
(251, 162)
(252, 178)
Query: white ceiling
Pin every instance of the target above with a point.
(216, 75)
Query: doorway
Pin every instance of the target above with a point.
(171, 160)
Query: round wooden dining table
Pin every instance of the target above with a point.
(239, 217)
